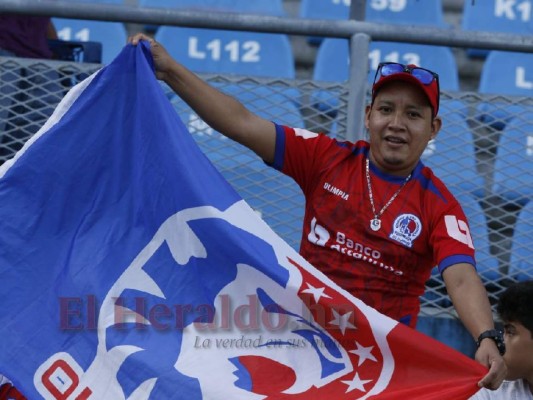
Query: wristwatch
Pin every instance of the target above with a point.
(495, 335)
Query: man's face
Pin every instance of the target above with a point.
(400, 125)
(519, 351)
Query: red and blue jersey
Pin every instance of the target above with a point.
(423, 227)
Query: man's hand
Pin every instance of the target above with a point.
(489, 356)
(10, 392)
(162, 60)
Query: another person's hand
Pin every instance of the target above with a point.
(8, 391)
(162, 60)
(489, 356)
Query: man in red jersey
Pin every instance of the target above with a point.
(376, 219)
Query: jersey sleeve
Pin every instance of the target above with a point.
(300, 154)
(451, 239)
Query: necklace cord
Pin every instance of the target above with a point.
(376, 221)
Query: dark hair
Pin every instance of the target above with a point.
(516, 304)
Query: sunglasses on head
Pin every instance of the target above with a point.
(425, 76)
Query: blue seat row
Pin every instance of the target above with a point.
(270, 7)
(332, 64)
(411, 12)
(505, 73)
(497, 16)
(233, 52)
(488, 15)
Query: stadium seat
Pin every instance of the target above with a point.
(451, 155)
(249, 54)
(408, 12)
(118, 2)
(229, 52)
(521, 266)
(411, 12)
(269, 7)
(487, 264)
(332, 64)
(436, 58)
(324, 9)
(504, 73)
(496, 16)
(112, 35)
(514, 161)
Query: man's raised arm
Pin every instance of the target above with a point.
(221, 112)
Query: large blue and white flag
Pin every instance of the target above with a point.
(131, 269)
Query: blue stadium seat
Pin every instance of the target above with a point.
(332, 60)
(487, 264)
(269, 7)
(496, 16)
(452, 157)
(229, 52)
(514, 161)
(332, 64)
(112, 35)
(117, 2)
(408, 12)
(324, 9)
(411, 12)
(436, 58)
(521, 265)
(504, 73)
(250, 54)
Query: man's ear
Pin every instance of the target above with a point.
(368, 109)
(436, 124)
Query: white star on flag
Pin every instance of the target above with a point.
(317, 293)
(364, 353)
(356, 383)
(342, 321)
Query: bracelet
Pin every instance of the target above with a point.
(496, 336)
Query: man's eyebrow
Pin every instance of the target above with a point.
(411, 104)
(508, 325)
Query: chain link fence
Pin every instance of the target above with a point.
(485, 159)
